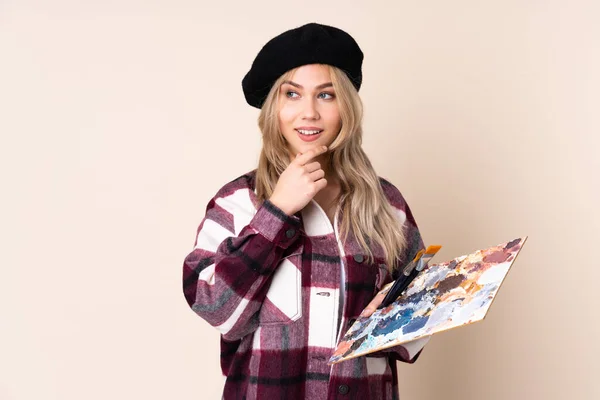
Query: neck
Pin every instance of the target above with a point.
(325, 161)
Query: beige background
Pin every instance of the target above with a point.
(120, 120)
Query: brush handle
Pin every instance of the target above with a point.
(396, 290)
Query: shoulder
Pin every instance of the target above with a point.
(392, 193)
(397, 201)
(245, 183)
(233, 205)
(236, 197)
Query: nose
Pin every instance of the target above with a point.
(310, 109)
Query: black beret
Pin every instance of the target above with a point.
(309, 44)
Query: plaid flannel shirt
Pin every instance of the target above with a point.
(270, 283)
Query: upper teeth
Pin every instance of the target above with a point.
(302, 131)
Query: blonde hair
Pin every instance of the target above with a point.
(365, 207)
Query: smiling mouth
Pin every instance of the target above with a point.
(309, 132)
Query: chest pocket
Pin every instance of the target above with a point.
(363, 282)
(283, 303)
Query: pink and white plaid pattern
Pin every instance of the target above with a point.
(270, 283)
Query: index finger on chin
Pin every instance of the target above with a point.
(303, 158)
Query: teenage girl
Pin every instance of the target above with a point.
(290, 253)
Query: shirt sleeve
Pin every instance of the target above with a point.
(226, 276)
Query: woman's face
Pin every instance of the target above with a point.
(308, 109)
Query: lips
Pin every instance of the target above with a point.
(309, 136)
(309, 131)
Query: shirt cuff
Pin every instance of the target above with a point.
(414, 347)
(275, 225)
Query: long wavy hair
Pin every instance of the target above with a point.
(365, 208)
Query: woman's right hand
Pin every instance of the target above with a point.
(300, 182)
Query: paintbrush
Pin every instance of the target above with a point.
(409, 273)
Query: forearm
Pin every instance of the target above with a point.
(226, 286)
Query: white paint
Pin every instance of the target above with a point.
(494, 274)
(441, 314)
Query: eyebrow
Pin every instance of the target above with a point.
(321, 86)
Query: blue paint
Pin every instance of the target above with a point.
(416, 297)
(415, 324)
(391, 324)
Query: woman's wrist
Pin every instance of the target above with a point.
(281, 206)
